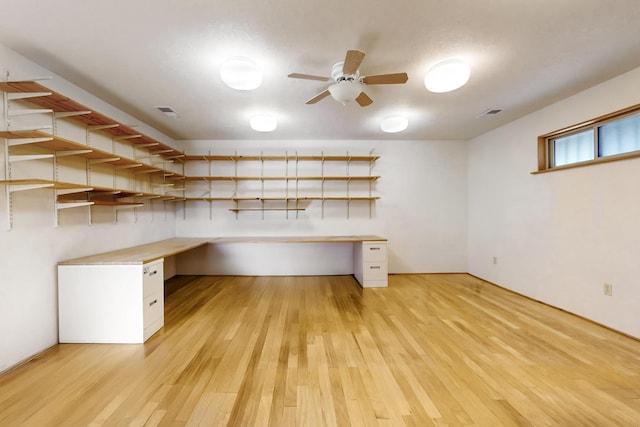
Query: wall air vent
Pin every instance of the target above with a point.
(168, 111)
(489, 113)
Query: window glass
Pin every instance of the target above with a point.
(573, 148)
(621, 136)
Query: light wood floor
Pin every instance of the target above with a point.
(444, 350)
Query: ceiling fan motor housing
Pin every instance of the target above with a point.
(338, 75)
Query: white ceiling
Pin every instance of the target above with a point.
(137, 54)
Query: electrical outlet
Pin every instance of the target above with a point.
(495, 259)
(608, 289)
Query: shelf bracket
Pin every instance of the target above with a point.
(26, 95)
(123, 137)
(147, 156)
(106, 160)
(62, 114)
(150, 144)
(25, 157)
(136, 165)
(64, 153)
(25, 187)
(27, 111)
(158, 161)
(14, 142)
(42, 128)
(30, 80)
(94, 128)
(69, 205)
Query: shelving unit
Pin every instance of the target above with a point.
(293, 199)
(145, 167)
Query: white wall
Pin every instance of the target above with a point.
(30, 251)
(559, 236)
(422, 207)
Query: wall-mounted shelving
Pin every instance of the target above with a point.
(292, 197)
(146, 169)
(146, 166)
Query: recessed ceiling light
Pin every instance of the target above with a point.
(394, 124)
(263, 123)
(241, 73)
(447, 76)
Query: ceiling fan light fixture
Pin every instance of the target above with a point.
(241, 73)
(394, 124)
(345, 91)
(263, 123)
(447, 76)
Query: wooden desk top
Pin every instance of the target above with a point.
(296, 239)
(140, 254)
(143, 254)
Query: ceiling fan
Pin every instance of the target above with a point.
(347, 84)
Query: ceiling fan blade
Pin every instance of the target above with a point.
(318, 97)
(308, 77)
(386, 79)
(364, 100)
(352, 61)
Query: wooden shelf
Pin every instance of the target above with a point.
(63, 106)
(265, 209)
(280, 158)
(281, 178)
(293, 172)
(32, 184)
(102, 196)
(63, 147)
(270, 199)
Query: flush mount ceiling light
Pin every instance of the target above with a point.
(447, 76)
(263, 123)
(394, 124)
(241, 73)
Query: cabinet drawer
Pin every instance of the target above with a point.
(153, 309)
(374, 270)
(374, 251)
(153, 278)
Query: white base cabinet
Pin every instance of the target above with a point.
(110, 303)
(370, 264)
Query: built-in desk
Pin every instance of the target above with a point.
(118, 296)
(364, 256)
(141, 254)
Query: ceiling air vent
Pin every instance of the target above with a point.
(168, 111)
(489, 113)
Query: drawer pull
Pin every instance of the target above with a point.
(153, 272)
(155, 301)
(375, 249)
(374, 267)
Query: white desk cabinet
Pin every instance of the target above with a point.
(110, 303)
(370, 263)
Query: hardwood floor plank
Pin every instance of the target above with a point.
(429, 350)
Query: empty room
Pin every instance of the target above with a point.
(420, 213)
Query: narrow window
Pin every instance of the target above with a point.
(619, 137)
(573, 148)
(612, 137)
